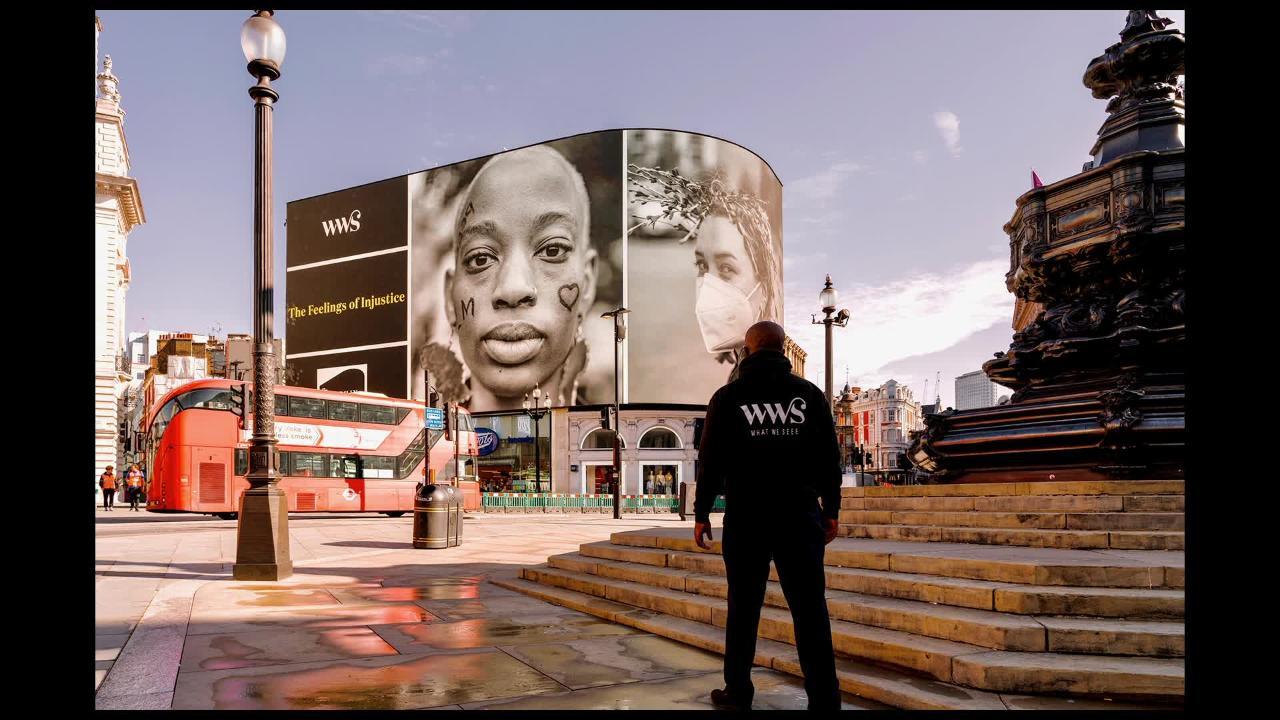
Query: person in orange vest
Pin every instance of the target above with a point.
(133, 481)
(108, 484)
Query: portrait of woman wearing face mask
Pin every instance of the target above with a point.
(738, 274)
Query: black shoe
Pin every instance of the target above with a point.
(724, 701)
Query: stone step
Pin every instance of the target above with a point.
(1064, 539)
(1019, 520)
(1155, 503)
(979, 594)
(985, 627)
(995, 670)
(883, 684)
(997, 563)
(1109, 676)
(1146, 540)
(625, 553)
(1093, 602)
(1075, 539)
(978, 627)
(672, 578)
(1093, 636)
(1087, 487)
(914, 652)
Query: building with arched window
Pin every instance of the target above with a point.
(658, 452)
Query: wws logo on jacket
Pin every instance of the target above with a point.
(775, 418)
(351, 223)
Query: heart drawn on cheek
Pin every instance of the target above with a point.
(569, 295)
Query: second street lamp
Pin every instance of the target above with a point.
(262, 533)
(619, 334)
(828, 297)
(536, 413)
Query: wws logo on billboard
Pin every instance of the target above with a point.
(351, 223)
(772, 415)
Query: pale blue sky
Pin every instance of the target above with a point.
(856, 112)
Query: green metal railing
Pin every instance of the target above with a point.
(570, 502)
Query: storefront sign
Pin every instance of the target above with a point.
(487, 440)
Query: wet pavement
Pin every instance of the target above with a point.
(367, 622)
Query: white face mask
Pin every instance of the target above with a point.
(724, 313)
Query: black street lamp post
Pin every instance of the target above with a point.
(619, 334)
(262, 534)
(536, 413)
(828, 298)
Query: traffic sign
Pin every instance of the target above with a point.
(435, 419)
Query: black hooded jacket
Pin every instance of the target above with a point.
(768, 444)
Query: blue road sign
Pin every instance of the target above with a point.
(435, 419)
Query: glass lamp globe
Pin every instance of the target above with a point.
(828, 296)
(262, 40)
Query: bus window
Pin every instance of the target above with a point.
(209, 398)
(282, 405)
(306, 407)
(379, 467)
(401, 414)
(242, 461)
(339, 410)
(464, 422)
(308, 464)
(383, 414)
(344, 466)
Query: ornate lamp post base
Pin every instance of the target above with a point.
(262, 546)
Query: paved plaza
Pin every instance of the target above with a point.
(368, 622)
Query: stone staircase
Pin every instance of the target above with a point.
(1138, 515)
(991, 621)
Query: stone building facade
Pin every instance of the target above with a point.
(659, 449)
(117, 211)
(881, 420)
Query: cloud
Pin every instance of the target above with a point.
(816, 190)
(919, 157)
(920, 314)
(949, 127)
(434, 21)
(409, 65)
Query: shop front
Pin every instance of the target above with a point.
(515, 453)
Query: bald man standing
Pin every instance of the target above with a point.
(769, 446)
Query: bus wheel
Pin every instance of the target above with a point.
(397, 513)
(226, 516)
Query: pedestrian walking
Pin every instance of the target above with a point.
(108, 484)
(769, 446)
(133, 482)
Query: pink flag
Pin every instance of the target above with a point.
(1035, 179)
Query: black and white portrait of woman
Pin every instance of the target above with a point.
(514, 258)
(705, 259)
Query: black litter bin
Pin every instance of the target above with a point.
(437, 520)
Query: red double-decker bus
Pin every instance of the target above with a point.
(339, 451)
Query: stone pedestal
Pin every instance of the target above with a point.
(1099, 369)
(262, 548)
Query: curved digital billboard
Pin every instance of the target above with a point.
(491, 275)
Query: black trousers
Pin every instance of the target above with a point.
(794, 541)
(108, 495)
(134, 494)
